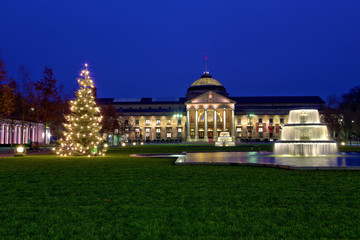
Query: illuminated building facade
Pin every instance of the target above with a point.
(207, 110)
(10, 132)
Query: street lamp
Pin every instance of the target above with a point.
(250, 115)
(140, 135)
(32, 109)
(178, 116)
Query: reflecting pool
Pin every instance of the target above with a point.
(334, 162)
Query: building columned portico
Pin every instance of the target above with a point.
(205, 111)
(14, 132)
(209, 114)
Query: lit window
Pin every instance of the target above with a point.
(147, 121)
(168, 135)
(158, 130)
(147, 130)
(179, 130)
(157, 121)
(238, 130)
(260, 129)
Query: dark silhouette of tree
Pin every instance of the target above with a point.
(350, 109)
(63, 110)
(26, 98)
(49, 100)
(110, 124)
(7, 98)
(7, 93)
(333, 116)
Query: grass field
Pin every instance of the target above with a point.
(118, 197)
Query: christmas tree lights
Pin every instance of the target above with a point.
(82, 135)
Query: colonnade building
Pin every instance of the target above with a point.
(15, 132)
(207, 110)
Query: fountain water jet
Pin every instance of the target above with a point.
(304, 135)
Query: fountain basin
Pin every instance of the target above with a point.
(305, 148)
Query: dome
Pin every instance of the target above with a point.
(206, 80)
(204, 84)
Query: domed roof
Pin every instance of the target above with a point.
(206, 80)
(204, 84)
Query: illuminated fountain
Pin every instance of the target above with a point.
(224, 140)
(304, 135)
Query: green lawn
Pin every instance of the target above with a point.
(118, 197)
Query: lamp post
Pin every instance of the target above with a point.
(178, 116)
(352, 130)
(140, 135)
(250, 115)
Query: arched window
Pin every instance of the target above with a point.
(210, 116)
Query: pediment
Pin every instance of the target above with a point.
(210, 97)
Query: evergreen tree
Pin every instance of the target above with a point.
(83, 123)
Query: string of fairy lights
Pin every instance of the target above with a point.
(82, 135)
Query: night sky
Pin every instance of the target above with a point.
(156, 48)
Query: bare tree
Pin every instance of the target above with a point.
(333, 116)
(350, 108)
(50, 102)
(110, 125)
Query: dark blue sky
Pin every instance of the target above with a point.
(156, 48)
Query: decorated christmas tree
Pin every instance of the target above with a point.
(82, 135)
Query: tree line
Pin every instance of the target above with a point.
(27, 100)
(342, 115)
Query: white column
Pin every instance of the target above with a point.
(188, 124)
(2, 134)
(18, 134)
(224, 119)
(206, 126)
(26, 140)
(14, 137)
(196, 124)
(6, 134)
(215, 125)
(233, 124)
(37, 133)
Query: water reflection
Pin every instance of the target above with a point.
(307, 161)
(347, 160)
